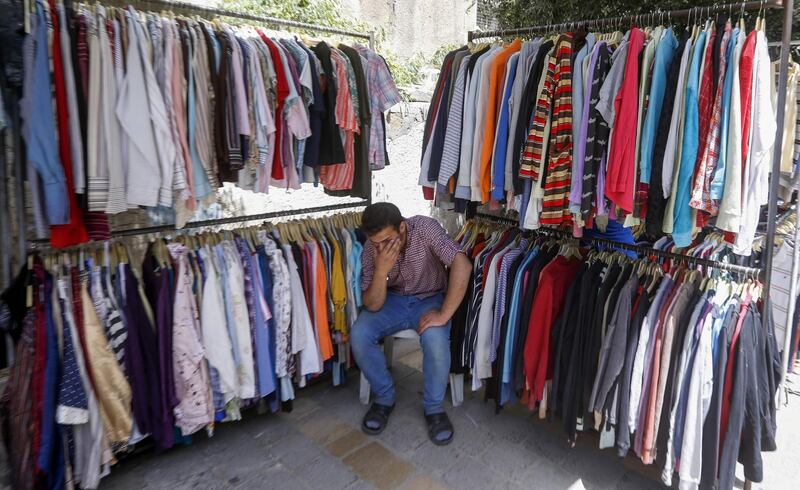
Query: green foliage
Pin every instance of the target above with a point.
(520, 13)
(322, 12)
(438, 57)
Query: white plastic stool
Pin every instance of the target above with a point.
(456, 380)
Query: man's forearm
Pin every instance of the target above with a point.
(375, 295)
(458, 280)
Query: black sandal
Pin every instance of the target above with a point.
(377, 416)
(440, 430)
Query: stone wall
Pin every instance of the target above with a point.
(416, 26)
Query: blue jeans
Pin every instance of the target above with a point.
(402, 313)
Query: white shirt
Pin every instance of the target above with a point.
(529, 51)
(483, 368)
(217, 346)
(241, 320)
(481, 101)
(730, 207)
(762, 139)
(467, 129)
(150, 147)
(304, 340)
(701, 386)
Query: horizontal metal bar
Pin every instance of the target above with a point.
(44, 243)
(778, 44)
(683, 13)
(634, 248)
(213, 11)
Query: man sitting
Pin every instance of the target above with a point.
(404, 279)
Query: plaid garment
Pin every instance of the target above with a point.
(705, 101)
(555, 207)
(704, 173)
(420, 269)
(533, 153)
(383, 94)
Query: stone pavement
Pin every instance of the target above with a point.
(319, 445)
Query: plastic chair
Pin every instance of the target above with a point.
(456, 380)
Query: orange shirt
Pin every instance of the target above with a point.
(321, 310)
(497, 75)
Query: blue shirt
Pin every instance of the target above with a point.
(506, 391)
(39, 128)
(202, 187)
(226, 297)
(718, 183)
(355, 259)
(682, 217)
(664, 54)
(501, 149)
(266, 374)
(616, 232)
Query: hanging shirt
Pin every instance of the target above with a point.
(762, 139)
(451, 150)
(731, 207)
(701, 194)
(621, 170)
(661, 65)
(682, 220)
(496, 88)
(716, 188)
(39, 128)
(383, 94)
(498, 166)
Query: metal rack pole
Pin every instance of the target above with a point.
(221, 221)
(217, 12)
(213, 11)
(740, 269)
(787, 339)
(684, 13)
(774, 181)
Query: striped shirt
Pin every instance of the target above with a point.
(452, 139)
(533, 153)
(555, 208)
(500, 296)
(339, 176)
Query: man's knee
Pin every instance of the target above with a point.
(363, 331)
(436, 341)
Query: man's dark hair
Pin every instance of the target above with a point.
(378, 216)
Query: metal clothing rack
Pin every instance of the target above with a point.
(739, 269)
(697, 12)
(633, 19)
(274, 21)
(788, 8)
(217, 12)
(43, 243)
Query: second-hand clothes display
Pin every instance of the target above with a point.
(108, 355)
(669, 128)
(662, 359)
(156, 111)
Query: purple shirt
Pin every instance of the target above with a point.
(420, 269)
(580, 149)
